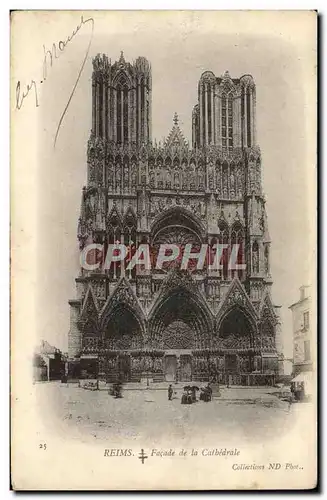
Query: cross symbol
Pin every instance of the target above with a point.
(142, 456)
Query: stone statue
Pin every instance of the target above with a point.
(232, 182)
(151, 176)
(201, 185)
(266, 260)
(255, 261)
(168, 179)
(126, 175)
(176, 180)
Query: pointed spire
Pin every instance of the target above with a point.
(175, 136)
(121, 59)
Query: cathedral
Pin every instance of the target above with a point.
(172, 324)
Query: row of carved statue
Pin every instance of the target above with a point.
(160, 152)
(227, 182)
(130, 341)
(195, 364)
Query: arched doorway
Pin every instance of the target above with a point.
(123, 332)
(179, 324)
(236, 335)
(123, 329)
(180, 307)
(267, 335)
(179, 336)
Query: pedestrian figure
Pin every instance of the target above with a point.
(170, 392)
(194, 389)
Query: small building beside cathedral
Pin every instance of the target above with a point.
(302, 332)
(171, 323)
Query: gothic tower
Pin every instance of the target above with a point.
(121, 100)
(225, 113)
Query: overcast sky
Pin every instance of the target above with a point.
(179, 48)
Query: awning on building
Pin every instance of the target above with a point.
(303, 377)
(307, 378)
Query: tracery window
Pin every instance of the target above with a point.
(122, 111)
(237, 238)
(267, 260)
(142, 109)
(125, 113)
(210, 124)
(130, 241)
(223, 239)
(227, 121)
(248, 117)
(255, 258)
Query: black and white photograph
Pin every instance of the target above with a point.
(163, 297)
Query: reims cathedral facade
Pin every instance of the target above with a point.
(172, 324)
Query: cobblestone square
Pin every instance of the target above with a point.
(146, 414)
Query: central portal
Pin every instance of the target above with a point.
(170, 368)
(231, 363)
(185, 368)
(124, 367)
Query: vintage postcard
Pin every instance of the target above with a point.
(163, 250)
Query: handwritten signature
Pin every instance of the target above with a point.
(48, 60)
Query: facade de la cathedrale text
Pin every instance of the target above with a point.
(173, 324)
